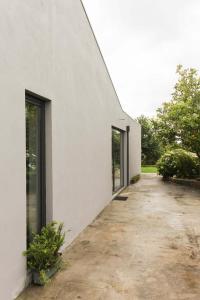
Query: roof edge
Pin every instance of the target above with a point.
(104, 61)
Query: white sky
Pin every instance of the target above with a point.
(142, 42)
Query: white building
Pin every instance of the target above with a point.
(60, 119)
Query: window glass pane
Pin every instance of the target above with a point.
(117, 159)
(33, 168)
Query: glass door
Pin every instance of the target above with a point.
(117, 159)
(35, 165)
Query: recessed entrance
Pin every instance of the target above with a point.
(117, 159)
(35, 165)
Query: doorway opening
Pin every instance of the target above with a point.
(117, 159)
(35, 165)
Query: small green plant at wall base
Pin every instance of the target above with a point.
(43, 252)
(44, 279)
(135, 179)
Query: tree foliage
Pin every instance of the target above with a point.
(151, 148)
(178, 121)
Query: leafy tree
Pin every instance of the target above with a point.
(151, 149)
(178, 162)
(178, 121)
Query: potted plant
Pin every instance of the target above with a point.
(43, 257)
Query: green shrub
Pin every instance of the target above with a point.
(179, 163)
(134, 179)
(43, 252)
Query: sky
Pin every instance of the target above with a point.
(142, 42)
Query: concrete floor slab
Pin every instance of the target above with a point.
(147, 247)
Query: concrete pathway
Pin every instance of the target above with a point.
(147, 247)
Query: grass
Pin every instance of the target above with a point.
(149, 169)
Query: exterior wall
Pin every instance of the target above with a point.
(135, 148)
(48, 48)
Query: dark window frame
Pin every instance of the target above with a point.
(122, 183)
(40, 101)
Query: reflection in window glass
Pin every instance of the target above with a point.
(33, 168)
(117, 159)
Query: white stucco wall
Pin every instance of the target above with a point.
(48, 48)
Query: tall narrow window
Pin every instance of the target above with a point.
(35, 165)
(117, 159)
